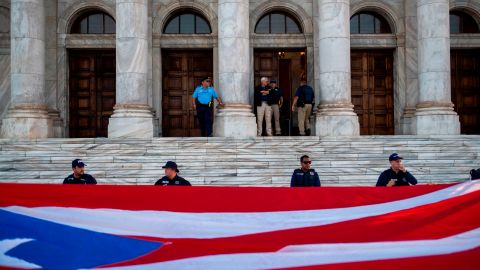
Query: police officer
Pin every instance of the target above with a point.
(79, 176)
(202, 99)
(263, 102)
(304, 99)
(397, 175)
(171, 177)
(277, 102)
(305, 176)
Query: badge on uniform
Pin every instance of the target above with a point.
(311, 173)
(177, 182)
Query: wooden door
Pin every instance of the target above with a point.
(285, 84)
(372, 91)
(182, 72)
(465, 70)
(92, 92)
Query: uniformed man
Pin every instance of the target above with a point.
(171, 177)
(304, 99)
(79, 176)
(305, 176)
(203, 101)
(263, 103)
(397, 175)
(277, 102)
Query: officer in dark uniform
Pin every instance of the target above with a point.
(397, 175)
(171, 177)
(79, 176)
(305, 176)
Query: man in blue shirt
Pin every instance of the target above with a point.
(397, 175)
(304, 100)
(203, 101)
(305, 176)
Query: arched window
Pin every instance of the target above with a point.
(369, 23)
(4, 20)
(94, 22)
(187, 22)
(277, 23)
(462, 23)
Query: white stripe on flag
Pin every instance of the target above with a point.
(212, 225)
(320, 254)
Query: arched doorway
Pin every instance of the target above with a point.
(286, 65)
(182, 71)
(372, 77)
(91, 78)
(465, 72)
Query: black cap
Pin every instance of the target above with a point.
(394, 156)
(273, 81)
(171, 165)
(206, 78)
(78, 163)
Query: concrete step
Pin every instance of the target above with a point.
(228, 161)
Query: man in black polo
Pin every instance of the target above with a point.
(304, 99)
(305, 176)
(397, 175)
(171, 177)
(79, 176)
(277, 102)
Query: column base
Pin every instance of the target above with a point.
(438, 120)
(407, 121)
(235, 120)
(27, 122)
(131, 121)
(58, 130)
(336, 120)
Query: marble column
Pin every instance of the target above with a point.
(132, 116)
(27, 116)
(434, 111)
(335, 115)
(236, 118)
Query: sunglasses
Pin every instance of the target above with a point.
(307, 162)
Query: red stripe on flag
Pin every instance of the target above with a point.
(204, 199)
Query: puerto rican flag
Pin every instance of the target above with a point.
(154, 227)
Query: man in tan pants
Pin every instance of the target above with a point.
(277, 102)
(304, 100)
(264, 109)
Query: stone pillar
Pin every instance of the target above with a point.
(434, 113)
(236, 118)
(132, 116)
(335, 116)
(27, 116)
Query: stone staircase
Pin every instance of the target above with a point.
(246, 162)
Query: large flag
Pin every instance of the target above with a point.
(153, 227)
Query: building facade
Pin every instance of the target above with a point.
(127, 68)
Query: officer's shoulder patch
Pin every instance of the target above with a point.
(312, 173)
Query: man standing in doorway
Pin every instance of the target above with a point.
(263, 102)
(304, 99)
(277, 102)
(203, 101)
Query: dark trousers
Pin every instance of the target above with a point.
(205, 118)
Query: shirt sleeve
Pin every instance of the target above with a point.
(317, 180)
(410, 178)
(214, 93)
(297, 93)
(195, 93)
(292, 181)
(382, 180)
(65, 180)
(92, 180)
